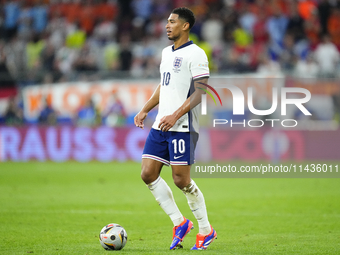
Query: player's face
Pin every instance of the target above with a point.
(174, 27)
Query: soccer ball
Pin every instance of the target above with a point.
(113, 237)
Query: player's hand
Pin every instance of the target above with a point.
(139, 119)
(167, 122)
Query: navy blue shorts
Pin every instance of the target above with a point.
(171, 148)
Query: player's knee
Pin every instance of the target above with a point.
(179, 181)
(147, 174)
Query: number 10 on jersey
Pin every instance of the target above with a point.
(180, 145)
(166, 79)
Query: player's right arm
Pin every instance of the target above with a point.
(149, 105)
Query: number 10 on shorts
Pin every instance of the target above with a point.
(180, 145)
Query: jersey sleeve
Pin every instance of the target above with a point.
(199, 66)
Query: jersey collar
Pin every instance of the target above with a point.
(182, 46)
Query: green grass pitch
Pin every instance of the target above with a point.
(59, 208)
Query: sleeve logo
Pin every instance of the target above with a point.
(203, 65)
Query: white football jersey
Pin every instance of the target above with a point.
(178, 69)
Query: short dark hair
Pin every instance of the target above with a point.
(186, 14)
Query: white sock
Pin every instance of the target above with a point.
(163, 194)
(197, 205)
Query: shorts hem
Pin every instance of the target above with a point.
(179, 163)
(166, 162)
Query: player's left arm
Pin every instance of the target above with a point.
(169, 121)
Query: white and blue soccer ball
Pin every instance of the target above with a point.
(113, 237)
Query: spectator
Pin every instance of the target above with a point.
(7, 83)
(261, 7)
(334, 26)
(48, 57)
(72, 11)
(255, 51)
(87, 17)
(104, 31)
(111, 56)
(260, 41)
(307, 68)
(59, 7)
(235, 62)
(11, 17)
(327, 57)
(107, 10)
(85, 60)
(260, 34)
(268, 66)
(48, 115)
(324, 10)
(125, 55)
(137, 69)
(289, 52)
(161, 7)
(25, 21)
(48, 60)
(200, 8)
(34, 49)
(65, 58)
(242, 38)
(150, 70)
(142, 9)
(276, 26)
(39, 15)
(212, 30)
(313, 29)
(88, 114)
(306, 8)
(124, 8)
(295, 25)
(76, 38)
(115, 114)
(16, 58)
(56, 29)
(143, 22)
(13, 114)
(156, 27)
(229, 19)
(248, 19)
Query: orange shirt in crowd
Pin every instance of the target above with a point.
(313, 29)
(72, 11)
(334, 27)
(306, 8)
(106, 11)
(58, 8)
(264, 6)
(87, 17)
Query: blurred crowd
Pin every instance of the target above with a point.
(88, 114)
(61, 40)
(50, 41)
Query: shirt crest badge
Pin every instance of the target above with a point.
(177, 64)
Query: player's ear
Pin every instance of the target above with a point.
(186, 26)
